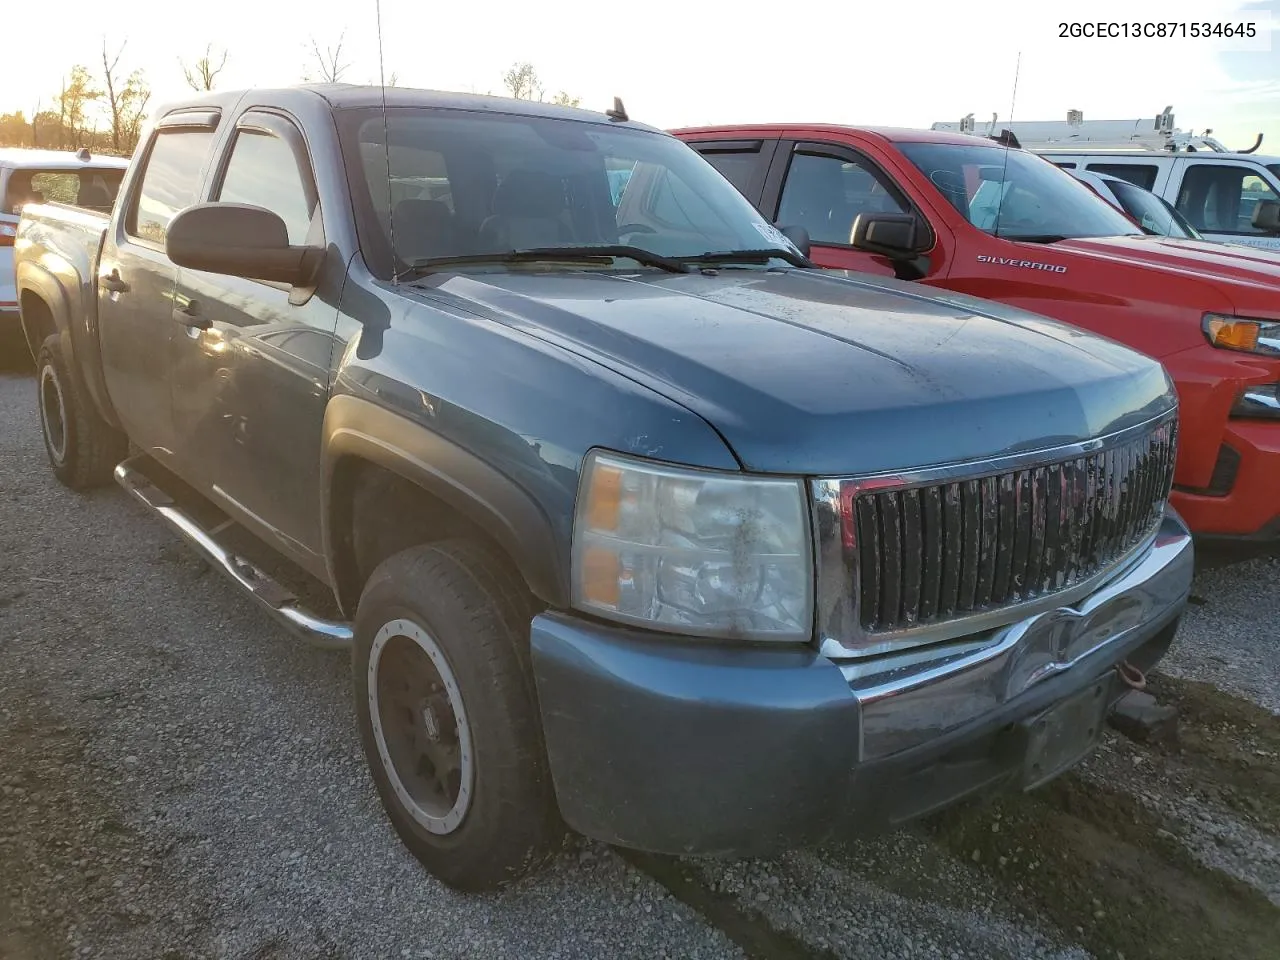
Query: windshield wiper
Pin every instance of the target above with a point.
(587, 254)
(749, 256)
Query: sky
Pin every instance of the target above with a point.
(837, 61)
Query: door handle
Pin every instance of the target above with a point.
(189, 316)
(112, 283)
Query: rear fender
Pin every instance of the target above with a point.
(73, 320)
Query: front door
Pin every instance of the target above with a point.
(823, 188)
(251, 371)
(1219, 200)
(136, 283)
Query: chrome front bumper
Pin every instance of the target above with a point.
(911, 698)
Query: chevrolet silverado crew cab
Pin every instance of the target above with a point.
(632, 519)
(963, 213)
(36, 176)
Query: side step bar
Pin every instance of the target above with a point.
(279, 601)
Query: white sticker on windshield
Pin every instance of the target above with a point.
(775, 236)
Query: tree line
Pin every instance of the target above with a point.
(104, 108)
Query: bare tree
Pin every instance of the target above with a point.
(566, 100)
(203, 73)
(522, 82)
(328, 62)
(126, 101)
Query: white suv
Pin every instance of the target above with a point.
(48, 176)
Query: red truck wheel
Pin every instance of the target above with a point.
(447, 714)
(83, 449)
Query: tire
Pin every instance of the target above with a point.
(460, 767)
(83, 448)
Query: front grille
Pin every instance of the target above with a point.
(934, 553)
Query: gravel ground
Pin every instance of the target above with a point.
(180, 779)
(1231, 632)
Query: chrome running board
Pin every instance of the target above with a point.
(277, 599)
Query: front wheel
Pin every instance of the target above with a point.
(83, 448)
(447, 714)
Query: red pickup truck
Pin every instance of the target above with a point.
(972, 216)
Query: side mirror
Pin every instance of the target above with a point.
(890, 234)
(799, 236)
(241, 241)
(1266, 216)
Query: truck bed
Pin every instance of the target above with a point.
(57, 249)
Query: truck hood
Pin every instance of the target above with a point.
(823, 372)
(1231, 267)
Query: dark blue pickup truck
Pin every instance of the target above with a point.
(632, 519)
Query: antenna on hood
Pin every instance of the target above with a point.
(1009, 141)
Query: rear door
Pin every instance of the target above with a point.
(744, 163)
(823, 187)
(251, 358)
(136, 280)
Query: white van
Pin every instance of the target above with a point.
(1218, 193)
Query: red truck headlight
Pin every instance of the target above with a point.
(1243, 334)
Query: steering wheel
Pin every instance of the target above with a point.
(635, 228)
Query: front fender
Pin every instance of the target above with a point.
(354, 427)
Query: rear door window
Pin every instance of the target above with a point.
(741, 162)
(170, 182)
(1140, 174)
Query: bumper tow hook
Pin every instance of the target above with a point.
(1131, 675)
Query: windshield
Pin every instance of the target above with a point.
(1029, 199)
(465, 184)
(1153, 214)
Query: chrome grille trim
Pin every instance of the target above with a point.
(1019, 534)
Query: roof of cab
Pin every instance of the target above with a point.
(892, 134)
(22, 158)
(347, 96)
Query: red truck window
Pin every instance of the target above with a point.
(824, 194)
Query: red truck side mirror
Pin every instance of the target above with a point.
(239, 240)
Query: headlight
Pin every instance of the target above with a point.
(1260, 400)
(692, 551)
(1243, 334)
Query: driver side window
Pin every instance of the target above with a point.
(263, 172)
(825, 194)
(1218, 198)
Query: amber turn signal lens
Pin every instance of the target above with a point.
(600, 572)
(604, 500)
(1233, 334)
